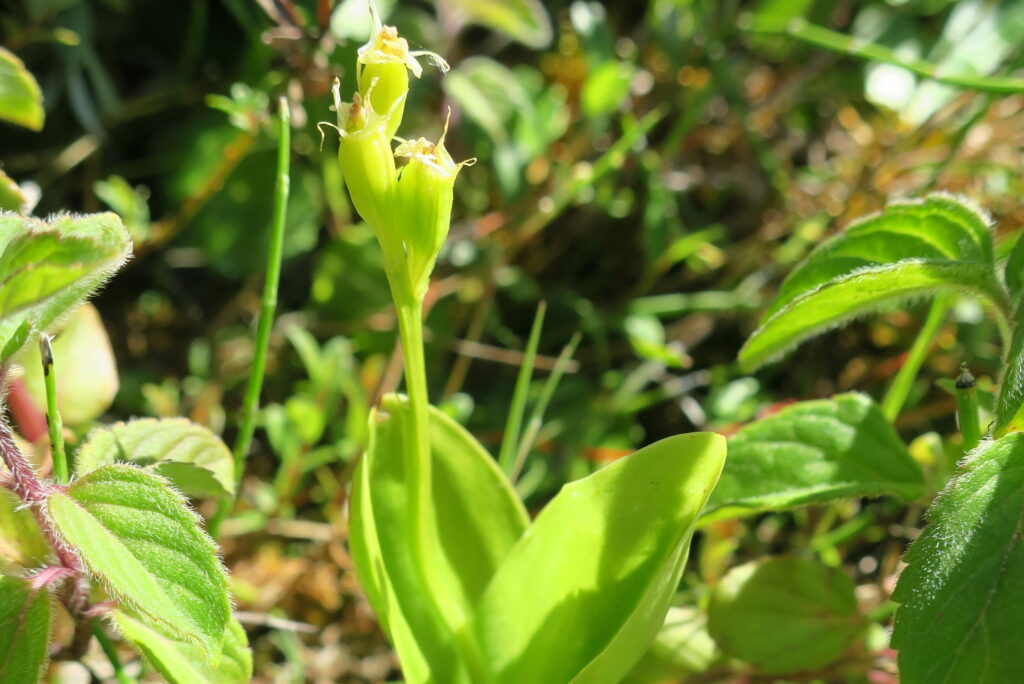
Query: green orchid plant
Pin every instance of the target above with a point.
(466, 586)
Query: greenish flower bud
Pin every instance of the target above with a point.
(367, 164)
(423, 203)
(384, 64)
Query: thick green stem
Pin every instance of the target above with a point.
(58, 454)
(899, 390)
(418, 473)
(417, 458)
(268, 306)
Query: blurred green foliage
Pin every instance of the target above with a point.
(651, 170)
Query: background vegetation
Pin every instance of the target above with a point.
(649, 170)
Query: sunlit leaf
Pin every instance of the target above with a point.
(21, 101)
(910, 250)
(181, 662)
(25, 615)
(139, 537)
(189, 455)
(683, 647)
(785, 615)
(479, 519)
(46, 268)
(11, 197)
(812, 452)
(961, 591)
(586, 589)
(524, 20)
(21, 540)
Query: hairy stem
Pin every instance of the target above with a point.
(24, 482)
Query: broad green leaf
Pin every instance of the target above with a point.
(1010, 402)
(21, 540)
(11, 197)
(181, 662)
(1013, 270)
(682, 647)
(46, 268)
(811, 452)
(910, 250)
(139, 537)
(21, 101)
(962, 589)
(25, 615)
(524, 20)
(586, 589)
(194, 459)
(785, 615)
(85, 369)
(479, 519)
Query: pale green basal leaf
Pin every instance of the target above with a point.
(683, 647)
(812, 452)
(194, 459)
(181, 662)
(46, 268)
(25, 617)
(479, 520)
(961, 591)
(21, 101)
(138, 536)
(586, 589)
(524, 20)
(910, 250)
(21, 541)
(785, 615)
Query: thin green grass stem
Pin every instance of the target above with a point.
(268, 306)
(899, 390)
(513, 426)
(111, 652)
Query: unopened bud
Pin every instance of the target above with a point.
(423, 201)
(367, 162)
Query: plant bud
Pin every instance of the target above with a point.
(384, 66)
(423, 202)
(367, 163)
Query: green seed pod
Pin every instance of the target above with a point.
(423, 203)
(384, 64)
(367, 164)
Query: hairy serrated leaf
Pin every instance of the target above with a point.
(139, 537)
(181, 662)
(25, 618)
(812, 452)
(910, 250)
(47, 268)
(962, 589)
(193, 458)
